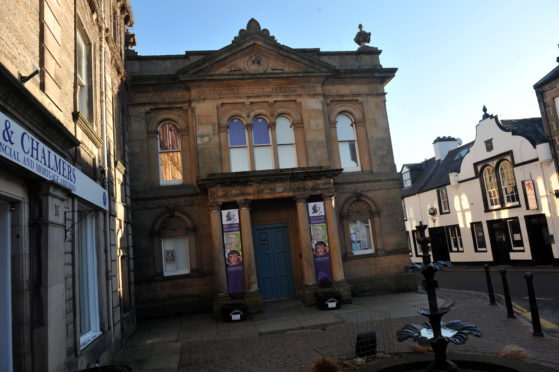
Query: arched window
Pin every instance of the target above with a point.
(238, 149)
(170, 168)
(508, 184)
(285, 140)
(347, 144)
(263, 156)
(491, 188)
(174, 246)
(359, 223)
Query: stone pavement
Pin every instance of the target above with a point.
(288, 337)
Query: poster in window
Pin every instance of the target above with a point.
(530, 194)
(233, 250)
(319, 239)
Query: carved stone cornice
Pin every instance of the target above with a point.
(277, 183)
(253, 28)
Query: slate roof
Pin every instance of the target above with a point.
(435, 172)
(531, 129)
(432, 173)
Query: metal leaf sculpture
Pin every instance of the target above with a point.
(454, 331)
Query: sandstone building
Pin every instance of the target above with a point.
(260, 172)
(66, 280)
(547, 91)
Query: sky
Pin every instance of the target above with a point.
(453, 57)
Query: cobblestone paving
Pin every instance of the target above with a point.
(193, 343)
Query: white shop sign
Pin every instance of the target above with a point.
(22, 148)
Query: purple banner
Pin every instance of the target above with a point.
(233, 250)
(320, 246)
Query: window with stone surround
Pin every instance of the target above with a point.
(170, 167)
(262, 144)
(285, 140)
(269, 148)
(175, 252)
(84, 92)
(88, 295)
(347, 143)
(238, 147)
(359, 224)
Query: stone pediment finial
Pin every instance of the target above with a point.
(362, 38)
(253, 28)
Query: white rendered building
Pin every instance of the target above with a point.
(491, 200)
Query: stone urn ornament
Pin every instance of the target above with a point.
(362, 38)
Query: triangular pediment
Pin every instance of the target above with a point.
(255, 53)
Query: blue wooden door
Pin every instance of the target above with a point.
(273, 262)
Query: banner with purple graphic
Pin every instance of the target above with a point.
(233, 250)
(320, 246)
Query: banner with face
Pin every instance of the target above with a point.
(233, 250)
(319, 240)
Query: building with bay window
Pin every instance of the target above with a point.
(490, 200)
(261, 172)
(66, 277)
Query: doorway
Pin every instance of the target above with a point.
(273, 262)
(439, 244)
(6, 363)
(500, 241)
(539, 238)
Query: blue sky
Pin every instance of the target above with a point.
(453, 56)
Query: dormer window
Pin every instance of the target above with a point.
(406, 179)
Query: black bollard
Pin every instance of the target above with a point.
(536, 325)
(489, 285)
(506, 292)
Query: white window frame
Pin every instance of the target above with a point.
(285, 145)
(83, 76)
(440, 193)
(88, 280)
(455, 248)
(268, 146)
(508, 175)
(163, 182)
(246, 148)
(186, 254)
(370, 250)
(354, 140)
(406, 179)
(494, 189)
(511, 235)
(477, 248)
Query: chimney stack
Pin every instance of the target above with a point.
(442, 145)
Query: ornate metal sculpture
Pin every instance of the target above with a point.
(362, 38)
(435, 333)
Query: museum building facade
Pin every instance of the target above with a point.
(261, 172)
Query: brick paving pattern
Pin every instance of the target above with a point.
(197, 343)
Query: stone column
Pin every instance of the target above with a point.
(217, 241)
(248, 128)
(333, 238)
(224, 147)
(335, 249)
(248, 247)
(305, 240)
(307, 259)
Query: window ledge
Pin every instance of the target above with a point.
(87, 128)
(353, 256)
(88, 338)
